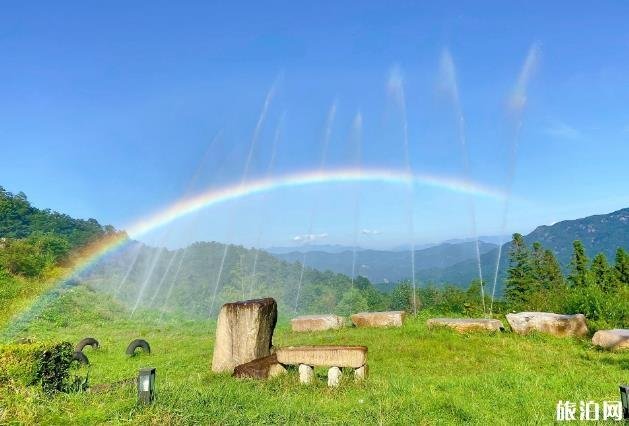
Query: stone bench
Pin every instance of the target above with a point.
(464, 325)
(612, 339)
(379, 319)
(317, 322)
(547, 322)
(334, 357)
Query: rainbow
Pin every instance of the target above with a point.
(215, 196)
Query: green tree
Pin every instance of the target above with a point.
(402, 298)
(621, 266)
(602, 274)
(352, 301)
(520, 273)
(578, 276)
(552, 277)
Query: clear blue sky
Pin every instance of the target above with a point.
(107, 110)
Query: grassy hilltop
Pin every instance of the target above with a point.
(417, 376)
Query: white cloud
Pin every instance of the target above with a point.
(307, 238)
(370, 231)
(562, 130)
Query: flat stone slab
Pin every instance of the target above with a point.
(547, 322)
(244, 332)
(261, 368)
(317, 322)
(617, 338)
(379, 319)
(463, 325)
(323, 356)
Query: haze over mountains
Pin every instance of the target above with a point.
(455, 263)
(388, 265)
(192, 273)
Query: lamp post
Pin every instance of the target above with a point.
(624, 399)
(146, 385)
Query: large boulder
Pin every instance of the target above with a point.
(612, 339)
(550, 323)
(244, 332)
(317, 322)
(464, 325)
(261, 368)
(379, 319)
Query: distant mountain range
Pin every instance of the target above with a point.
(455, 262)
(388, 265)
(338, 248)
(602, 233)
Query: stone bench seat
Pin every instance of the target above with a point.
(379, 319)
(550, 323)
(316, 322)
(463, 325)
(334, 357)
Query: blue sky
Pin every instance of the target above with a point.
(106, 111)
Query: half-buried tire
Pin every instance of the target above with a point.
(138, 343)
(80, 358)
(88, 341)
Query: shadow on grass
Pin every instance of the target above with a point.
(608, 359)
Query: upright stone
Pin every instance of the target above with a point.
(244, 332)
(546, 322)
(617, 338)
(379, 319)
(334, 376)
(306, 373)
(361, 373)
(316, 322)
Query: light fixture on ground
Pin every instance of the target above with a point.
(624, 399)
(146, 385)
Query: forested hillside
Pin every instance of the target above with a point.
(200, 278)
(599, 234)
(35, 245)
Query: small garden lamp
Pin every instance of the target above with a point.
(624, 399)
(146, 385)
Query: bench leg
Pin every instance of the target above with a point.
(361, 373)
(306, 373)
(334, 376)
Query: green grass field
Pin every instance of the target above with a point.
(417, 376)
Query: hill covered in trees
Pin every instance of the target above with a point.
(599, 234)
(198, 279)
(35, 246)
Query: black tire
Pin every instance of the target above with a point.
(138, 343)
(88, 341)
(80, 358)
